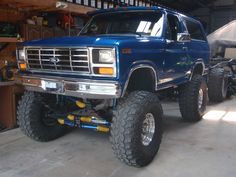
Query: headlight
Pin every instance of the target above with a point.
(21, 60)
(106, 56)
(104, 61)
(21, 54)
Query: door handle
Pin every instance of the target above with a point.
(185, 48)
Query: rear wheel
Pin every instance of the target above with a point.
(217, 85)
(193, 99)
(33, 117)
(136, 129)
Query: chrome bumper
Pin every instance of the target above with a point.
(81, 88)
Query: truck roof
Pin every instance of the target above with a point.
(132, 8)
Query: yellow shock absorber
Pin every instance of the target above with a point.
(80, 104)
(71, 117)
(86, 119)
(102, 129)
(61, 121)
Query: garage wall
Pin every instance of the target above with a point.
(222, 17)
(221, 13)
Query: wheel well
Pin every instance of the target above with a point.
(142, 79)
(198, 69)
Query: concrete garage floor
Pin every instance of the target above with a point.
(204, 149)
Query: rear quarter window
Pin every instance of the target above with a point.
(195, 30)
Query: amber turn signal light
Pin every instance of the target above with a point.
(22, 66)
(106, 71)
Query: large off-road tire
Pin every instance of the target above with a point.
(136, 129)
(33, 121)
(217, 85)
(193, 99)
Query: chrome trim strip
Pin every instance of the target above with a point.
(140, 66)
(72, 87)
(53, 72)
(74, 61)
(102, 65)
(59, 55)
(199, 61)
(73, 79)
(41, 61)
(75, 48)
(54, 52)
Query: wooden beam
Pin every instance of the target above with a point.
(50, 4)
(74, 8)
(10, 39)
(15, 16)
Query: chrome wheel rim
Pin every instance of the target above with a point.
(224, 88)
(148, 129)
(200, 98)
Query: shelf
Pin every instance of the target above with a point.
(10, 39)
(7, 83)
(50, 5)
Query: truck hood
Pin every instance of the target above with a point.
(81, 41)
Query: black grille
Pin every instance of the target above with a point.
(58, 59)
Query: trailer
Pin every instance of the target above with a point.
(222, 75)
(221, 79)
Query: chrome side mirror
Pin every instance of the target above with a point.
(183, 37)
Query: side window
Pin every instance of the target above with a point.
(173, 27)
(195, 30)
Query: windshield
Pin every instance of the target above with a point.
(125, 23)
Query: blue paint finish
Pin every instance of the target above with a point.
(75, 41)
(145, 51)
(170, 60)
(198, 50)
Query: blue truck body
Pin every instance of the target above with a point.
(172, 62)
(107, 77)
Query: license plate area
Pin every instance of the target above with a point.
(51, 86)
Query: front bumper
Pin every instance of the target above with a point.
(81, 88)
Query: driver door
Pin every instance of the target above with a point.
(175, 52)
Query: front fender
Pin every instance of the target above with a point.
(139, 65)
(199, 62)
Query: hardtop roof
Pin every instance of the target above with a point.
(132, 8)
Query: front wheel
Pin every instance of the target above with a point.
(136, 129)
(32, 115)
(193, 99)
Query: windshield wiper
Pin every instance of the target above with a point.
(108, 34)
(132, 32)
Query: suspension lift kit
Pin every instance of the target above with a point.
(89, 122)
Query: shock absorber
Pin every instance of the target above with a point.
(85, 122)
(89, 122)
(80, 104)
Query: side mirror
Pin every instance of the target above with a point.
(183, 37)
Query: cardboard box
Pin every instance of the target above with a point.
(230, 53)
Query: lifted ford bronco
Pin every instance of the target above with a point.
(108, 78)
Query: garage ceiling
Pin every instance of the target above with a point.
(181, 5)
(38, 5)
(187, 5)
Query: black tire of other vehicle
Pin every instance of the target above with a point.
(30, 115)
(217, 85)
(129, 125)
(193, 99)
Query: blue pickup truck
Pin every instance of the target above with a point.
(108, 78)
